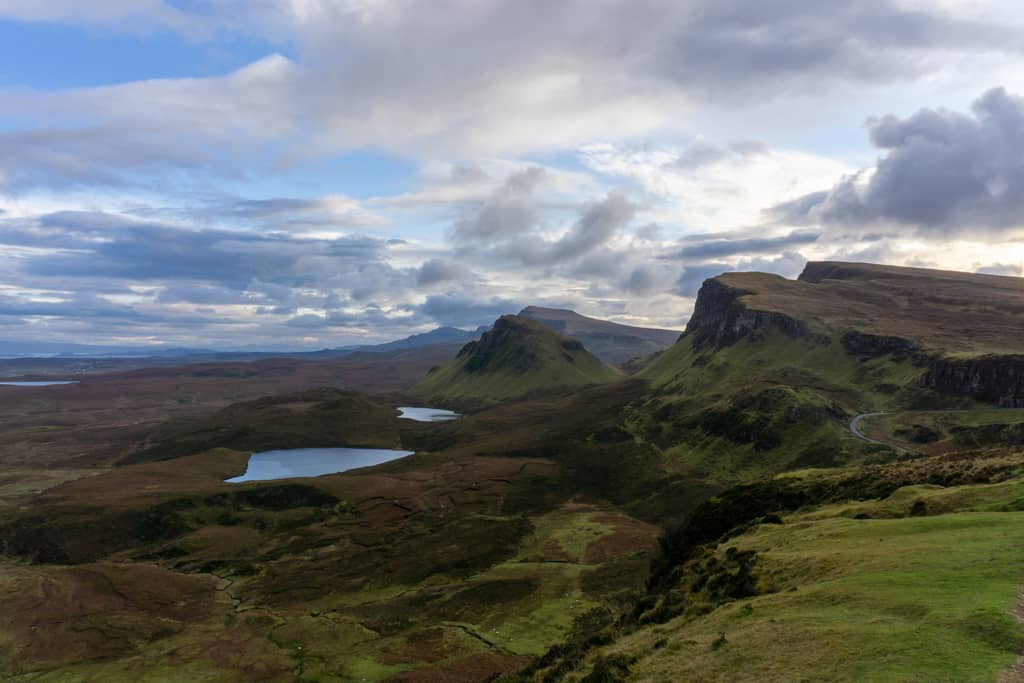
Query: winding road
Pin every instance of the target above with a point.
(859, 434)
(854, 425)
(855, 430)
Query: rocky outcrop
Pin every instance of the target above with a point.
(506, 345)
(998, 380)
(720, 318)
(868, 346)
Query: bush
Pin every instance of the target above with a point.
(613, 669)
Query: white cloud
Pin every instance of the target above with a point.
(729, 189)
(502, 77)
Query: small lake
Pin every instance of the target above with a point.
(38, 384)
(427, 414)
(312, 462)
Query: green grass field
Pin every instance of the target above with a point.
(913, 598)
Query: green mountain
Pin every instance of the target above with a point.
(770, 371)
(515, 358)
(824, 556)
(611, 342)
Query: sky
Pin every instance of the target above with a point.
(302, 174)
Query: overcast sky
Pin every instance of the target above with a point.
(311, 173)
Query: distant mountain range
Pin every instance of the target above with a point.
(441, 335)
(611, 342)
(12, 349)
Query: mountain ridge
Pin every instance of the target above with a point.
(612, 342)
(887, 301)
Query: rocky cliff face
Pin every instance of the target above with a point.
(868, 346)
(998, 380)
(721, 319)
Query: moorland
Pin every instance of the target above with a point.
(701, 510)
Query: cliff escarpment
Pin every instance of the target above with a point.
(868, 346)
(721, 318)
(997, 380)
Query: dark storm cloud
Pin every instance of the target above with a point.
(506, 226)
(460, 311)
(942, 171)
(641, 280)
(718, 248)
(732, 46)
(436, 271)
(203, 294)
(152, 251)
(510, 211)
(602, 263)
(97, 254)
(277, 213)
(597, 224)
(797, 210)
(97, 309)
(370, 317)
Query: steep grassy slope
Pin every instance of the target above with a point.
(516, 358)
(611, 342)
(770, 370)
(765, 404)
(897, 573)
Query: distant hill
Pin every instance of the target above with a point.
(441, 335)
(611, 342)
(516, 357)
(46, 356)
(14, 349)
